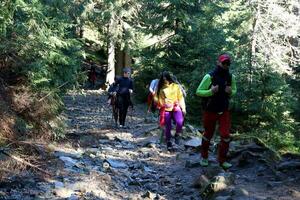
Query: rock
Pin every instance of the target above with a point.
(269, 198)
(69, 162)
(63, 192)
(73, 197)
(273, 184)
(192, 164)
(227, 177)
(105, 166)
(150, 142)
(92, 150)
(223, 198)
(70, 153)
(116, 164)
(152, 186)
(149, 195)
(294, 193)
(212, 171)
(219, 183)
(201, 181)
(195, 142)
(288, 165)
(58, 184)
(147, 169)
(240, 192)
(192, 129)
(222, 181)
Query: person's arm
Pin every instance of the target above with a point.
(203, 89)
(152, 86)
(181, 100)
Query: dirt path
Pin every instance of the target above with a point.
(97, 161)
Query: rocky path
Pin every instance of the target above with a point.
(98, 161)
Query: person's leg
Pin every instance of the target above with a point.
(168, 125)
(121, 109)
(209, 122)
(179, 119)
(224, 129)
(125, 105)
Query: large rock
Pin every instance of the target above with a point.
(222, 181)
(289, 165)
(201, 182)
(195, 142)
(218, 183)
(69, 162)
(116, 164)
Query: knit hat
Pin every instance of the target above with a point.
(126, 70)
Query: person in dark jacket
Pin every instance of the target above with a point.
(112, 90)
(125, 88)
(217, 87)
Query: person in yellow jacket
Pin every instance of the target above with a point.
(170, 102)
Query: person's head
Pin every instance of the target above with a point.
(224, 61)
(165, 79)
(126, 72)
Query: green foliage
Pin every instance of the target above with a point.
(193, 34)
(39, 39)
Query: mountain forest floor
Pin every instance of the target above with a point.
(96, 160)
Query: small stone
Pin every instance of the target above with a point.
(223, 198)
(73, 197)
(240, 192)
(149, 195)
(116, 164)
(58, 184)
(190, 164)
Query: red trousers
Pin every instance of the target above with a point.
(209, 120)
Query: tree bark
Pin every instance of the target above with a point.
(111, 53)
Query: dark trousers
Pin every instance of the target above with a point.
(123, 104)
(209, 120)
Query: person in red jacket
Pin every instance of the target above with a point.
(216, 88)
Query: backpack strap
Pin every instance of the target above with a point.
(212, 75)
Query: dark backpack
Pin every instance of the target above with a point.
(205, 101)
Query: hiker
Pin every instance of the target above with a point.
(112, 90)
(125, 88)
(216, 88)
(152, 91)
(170, 102)
(92, 76)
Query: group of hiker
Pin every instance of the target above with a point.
(167, 96)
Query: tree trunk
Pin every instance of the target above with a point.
(119, 62)
(123, 59)
(110, 75)
(111, 62)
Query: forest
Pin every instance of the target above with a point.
(48, 48)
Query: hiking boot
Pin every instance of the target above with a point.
(204, 162)
(177, 139)
(226, 165)
(169, 146)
